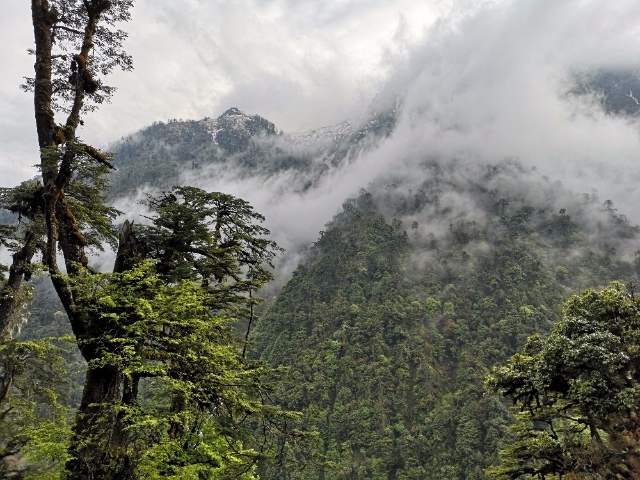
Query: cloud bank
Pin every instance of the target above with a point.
(488, 81)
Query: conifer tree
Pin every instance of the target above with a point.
(577, 392)
(168, 387)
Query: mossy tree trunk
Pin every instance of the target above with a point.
(60, 153)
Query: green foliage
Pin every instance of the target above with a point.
(69, 18)
(578, 390)
(87, 195)
(33, 416)
(189, 403)
(208, 236)
(196, 388)
(20, 200)
(389, 336)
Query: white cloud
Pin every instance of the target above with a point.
(486, 78)
(494, 84)
(486, 83)
(301, 64)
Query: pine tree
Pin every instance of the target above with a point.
(577, 393)
(179, 387)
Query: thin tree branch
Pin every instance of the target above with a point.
(66, 29)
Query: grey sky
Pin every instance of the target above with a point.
(301, 64)
(488, 81)
(483, 78)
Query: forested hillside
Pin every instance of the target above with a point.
(392, 321)
(410, 295)
(463, 314)
(406, 300)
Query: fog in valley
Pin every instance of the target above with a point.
(485, 83)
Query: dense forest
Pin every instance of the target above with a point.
(462, 317)
(392, 323)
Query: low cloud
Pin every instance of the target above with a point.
(494, 84)
(488, 82)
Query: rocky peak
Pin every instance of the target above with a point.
(234, 129)
(232, 111)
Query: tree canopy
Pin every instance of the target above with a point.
(169, 389)
(578, 392)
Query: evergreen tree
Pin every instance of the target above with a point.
(168, 387)
(32, 408)
(577, 391)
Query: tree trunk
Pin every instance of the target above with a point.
(10, 298)
(98, 442)
(43, 89)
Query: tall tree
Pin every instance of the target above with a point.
(159, 326)
(163, 322)
(76, 44)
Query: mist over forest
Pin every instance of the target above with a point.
(524, 81)
(356, 241)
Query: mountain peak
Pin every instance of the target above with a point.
(233, 111)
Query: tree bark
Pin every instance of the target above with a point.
(43, 21)
(99, 443)
(96, 445)
(10, 298)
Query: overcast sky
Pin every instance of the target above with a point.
(300, 63)
(481, 78)
(488, 80)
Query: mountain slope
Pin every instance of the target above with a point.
(241, 145)
(393, 321)
(437, 271)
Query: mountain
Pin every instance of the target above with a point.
(618, 91)
(242, 145)
(155, 155)
(431, 275)
(397, 312)
(390, 325)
